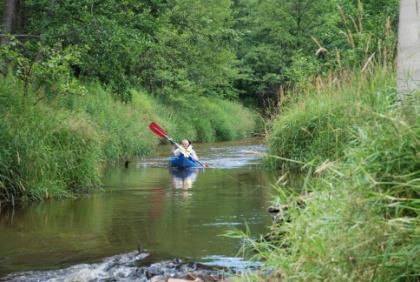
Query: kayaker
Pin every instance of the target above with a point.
(186, 150)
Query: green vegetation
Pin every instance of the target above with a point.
(44, 152)
(321, 124)
(357, 215)
(85, 79)
(284, 44)
(56, 147)
(254, 50)
(170, 48)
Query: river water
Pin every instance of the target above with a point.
(167, 213)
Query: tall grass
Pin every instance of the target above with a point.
(44, 153)
(207, 119)
(322, 122)
(122, 128)
(56, 146)
(223, 120)
(357, 218)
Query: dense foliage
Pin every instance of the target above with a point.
(167, 47)
(286, 43)
(176, 48)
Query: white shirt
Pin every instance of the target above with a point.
(189, 152)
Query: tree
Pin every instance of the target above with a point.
(285, 42)
(193, 52)
(11, 18)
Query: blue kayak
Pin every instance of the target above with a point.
(182, 162)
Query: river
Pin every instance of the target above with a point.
(148, 207)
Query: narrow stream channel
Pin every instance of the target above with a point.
(168, 214)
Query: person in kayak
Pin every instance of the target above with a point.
(186, 150)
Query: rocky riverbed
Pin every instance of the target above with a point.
(134, 266)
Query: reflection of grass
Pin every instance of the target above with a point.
(356, 219)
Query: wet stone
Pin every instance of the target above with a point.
(130, 267)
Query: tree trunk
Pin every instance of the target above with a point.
(10, 19)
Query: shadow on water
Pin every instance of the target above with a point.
(167, 213)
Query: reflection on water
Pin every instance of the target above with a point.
(168, 213)
(184, 178)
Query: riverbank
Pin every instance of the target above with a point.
(356, 217)
(55, 146)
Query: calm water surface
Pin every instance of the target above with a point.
(170, 214)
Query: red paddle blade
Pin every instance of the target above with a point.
(156, 129)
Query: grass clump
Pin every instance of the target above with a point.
(320, 124)
(226, 120)
(357, 218)
(122, 128)
(43, 153)
(205, 119)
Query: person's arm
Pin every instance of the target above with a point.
(176, 152)
(193, 155)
